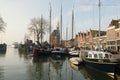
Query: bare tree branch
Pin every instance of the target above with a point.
(38, 27)
(2, 25)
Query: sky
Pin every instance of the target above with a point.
(18, 13)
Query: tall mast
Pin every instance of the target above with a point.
(50, 25)
(41, 27)
(72, 23)
(99, 23)
(66, 35)
(61, 25)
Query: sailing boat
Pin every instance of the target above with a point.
(103, 61)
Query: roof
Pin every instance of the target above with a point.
(82, 34)
(114, 23)
(95, 33)
(55, 33)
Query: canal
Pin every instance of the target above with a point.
(16, 65)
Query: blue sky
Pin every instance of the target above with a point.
(17, 15)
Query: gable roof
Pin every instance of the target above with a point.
(55, 33)
(95, 33)
(115, 23)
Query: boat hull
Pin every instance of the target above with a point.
(106, 67)
(43, 53)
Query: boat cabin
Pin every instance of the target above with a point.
(98, 55)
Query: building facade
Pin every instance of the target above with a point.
(81, 40)
(55, 36)
(113, 35)
(109, 39)
(90, 39)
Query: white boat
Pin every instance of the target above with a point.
(103, 61)
(74, 67)
(75, 60)
(74, 53)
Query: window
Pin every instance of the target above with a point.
(117, 34)
(118, 42)
(100, 56)
(106, 56)
(110, 56)
(90, 55)
(95, 55)
(111, 43)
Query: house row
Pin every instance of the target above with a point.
(91, 40)
(108, 39)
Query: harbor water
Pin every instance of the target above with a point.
(18, 65)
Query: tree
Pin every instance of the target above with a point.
(2, 25)
(38, 27)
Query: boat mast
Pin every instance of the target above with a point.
(72, 23)
(41, 27)
(99, 23)
(61, 26)
(66, 35)
(50, 26)
(50, 39)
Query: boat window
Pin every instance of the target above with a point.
(110, 56)
(100, 56)
(106, 56)
(90, 55)
(95, 55)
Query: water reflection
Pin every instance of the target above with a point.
(1, 72)
(97, 75)
(54, 68)
(93, 74)
(48, 68)
(25, 67)
(2, 56)
(25, 54)
(59, 68)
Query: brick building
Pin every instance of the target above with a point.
(81, 40)
(108, 39)
(90, 39)
(113, 35)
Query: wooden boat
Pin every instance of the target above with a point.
(100, 60)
